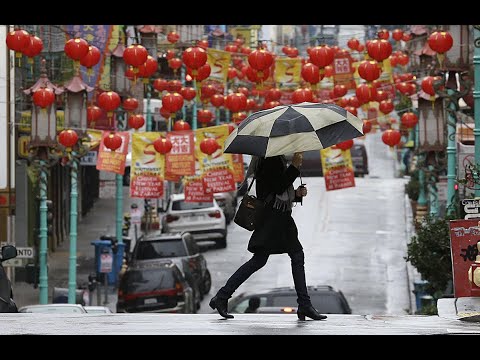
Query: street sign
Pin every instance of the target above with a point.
(106, 262)
(471, 208)
(14, 262)
(25, 253)
(136, 216)
(90, 159)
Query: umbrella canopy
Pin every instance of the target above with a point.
(293, 128)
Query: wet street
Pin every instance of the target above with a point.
(354, 240)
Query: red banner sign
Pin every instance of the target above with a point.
(113, 161)
(337, 168)
(464, 235)
(343, 71)
(218, 180)
(180, 161)
(238, 168)
(194, 191)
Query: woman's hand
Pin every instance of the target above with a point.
(297, 160)
(301, 191)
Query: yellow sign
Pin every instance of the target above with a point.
(337, 168)
(94, 138)
(26, 121)
(287, 71)
(219, 61)
(218, 159)
(23, 142)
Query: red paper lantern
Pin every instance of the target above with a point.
(112, 141)
(160, 84)
(201, 74)
(175, 86)
(109, 101)
(92, 58)
(239, 117)
(427, 85)
(34, 47)
(217, 100)
(209, 146)
(194, 58)
(322, 56)
(173, 37)
(130, 104)
(351, 110)
(367, 126)
(231, 48)
(188, 93)
(381, 95)
(246, 50)
(270, 104)
(243, 90)
(440, 41)
(172, 102)
(354, 102)
(383, 34)
(311, 73)
(93, 113)
(162, 145)
(293, 52)
(365, 93)
(18, 40)
(76, 48)
(204, 116)
(369, 70)
(136, 121)
(397, 34)
(361, 48)
(343, 102)
(232, 73)
(180, 125)
(164, 113)
(402, 59)
(170, 54)
(148, 68)
(207, 91)
(409, 120)
(68, 138)
(236, 102)
(260, 60)
(257, 76)
(43, 97)
(203, 44)
(302, 95)
(273, 94)
(328, 71)
(353, 44)
(339, 91)
(386, 107)
(407, 37)
(175, 63)
(379, 49)
(251, 104)
(391, 137)
(231, 127)
(345, 145)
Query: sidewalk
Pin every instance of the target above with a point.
(100, 220)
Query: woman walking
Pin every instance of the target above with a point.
(277, 235)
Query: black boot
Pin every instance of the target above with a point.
(222, 307)
(309, 311)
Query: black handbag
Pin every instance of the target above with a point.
(251, 211)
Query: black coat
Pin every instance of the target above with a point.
(279, 233)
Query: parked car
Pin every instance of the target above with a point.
(325, 299)
(98, 310)
(155, 286)
(54, 309)
(359, 160)
(204, 220)
(7, 305)
(180, 248)
(311, 164)
(227, 202)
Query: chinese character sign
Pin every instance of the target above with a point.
(113, 161)
(148, 167)
(219, 61)
(337, 168)
(180, 160)
(194, 190)
(343, 72)
(464, 235)
(238, 168)
(287, 71)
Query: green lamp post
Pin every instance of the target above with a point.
(476, 97)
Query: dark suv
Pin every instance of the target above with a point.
(155, 286)
(324, 298)
(359, 160)
(181, 249)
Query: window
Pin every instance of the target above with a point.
(324, 303)
(242, 306)
(145, 280)
(160, 249)
(182, 205)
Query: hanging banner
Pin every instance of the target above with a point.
(180, 161)
(464, 235)
(337, 168)
(94, 138)
(148, 167)
(343, 71)
(216, 168)
(194, 190)
(219, 61)
(287, 72)
(238, 168)
(113, 161)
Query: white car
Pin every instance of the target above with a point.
(204, 220)
(54, 309)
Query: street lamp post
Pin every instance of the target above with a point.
(476, 96)
(119, 193)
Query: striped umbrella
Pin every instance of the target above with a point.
(294, 128)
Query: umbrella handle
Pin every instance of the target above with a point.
(302, 185)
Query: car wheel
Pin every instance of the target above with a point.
(207, 282)
(222, 243)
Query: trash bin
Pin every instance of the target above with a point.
(421, 297)
(103, 246)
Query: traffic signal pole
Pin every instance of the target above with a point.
(43, 285)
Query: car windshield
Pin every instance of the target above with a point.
(146, 280)
(182, 205)
(53, 309)
(160, 249)
(324, 303)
